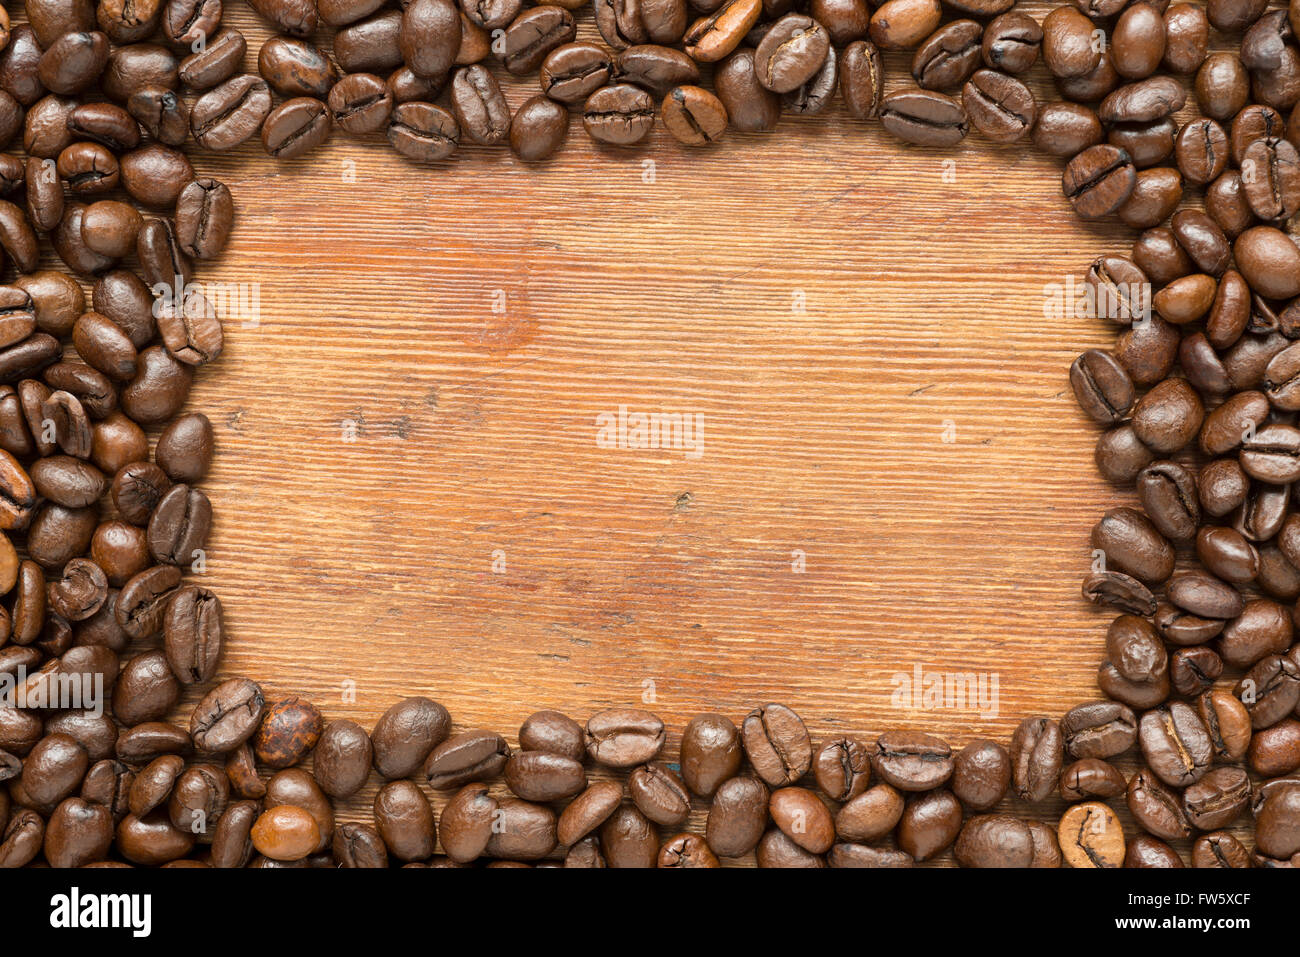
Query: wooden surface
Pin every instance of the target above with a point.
(357, 572)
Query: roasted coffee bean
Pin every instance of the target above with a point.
(1155, 196)
(1272, 454)
(738, 816)
(193, 636)
(479, 105)
(999, 106)
(619, 115)
(1193, 670)
(584, 814)
(179, 526)
(904, 24)
(296, 68)
(343, 757)
(1091, 836)
(1091, 779)
(204, 214)
(155, 174)
(694, 115)
(533, 34)
(1270, 690)
(1175, 744)
(1156, 807)
(422, 131)
(227, 716)
(710, 38)
(1099, 180)
(159, 389)
(1269, 261)
(1101, 386)
(554, 732)
(1098, 729)
(575, 68)
(624, 737)
(405, 735)
(912, 762)
(526, 832)
(360, 103)
(543, 776)
(288, 833)
(538, 129)
(948, 58)
(1068, 48)
(862, 81)
(995, 840)
(374, 45)
(230, 113)
(469, 756)
(777, 744)
(1036, 758)
(1226, 553)
(1132, 544)
(924, 117)
(296, 127)
(750, 106)
(659, 794)
(791, 53)
(219, 59)
(1277, 833)
(146, 689)
(1272, 751)
(711, 753)
(842, 768)
(1168, 493)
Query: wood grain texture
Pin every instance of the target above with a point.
(858, 323)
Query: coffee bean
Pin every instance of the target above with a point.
(585, 813)
(710, 38)
(193, 634)
(624, 737)
(422, 131)
(227, 716)
(1036, 758)
(342, 758)
(791, 53)
(995, 840)
(467, 823)
(912, 762)
(1098, 729)
(924, 117)
(948, 58)
(542, 776)
(286, 833)
(1099, 180)
(1103, 389)
(930, 823)
(657, 69)
(534, 33)
(738, 816)
(1175, 744)
(999, 106)
(406, 733)
(538, 129)
(904, 24)
(619, 115)
(1091, 836)
(1119, 591)
(470, 756)
(179, 526)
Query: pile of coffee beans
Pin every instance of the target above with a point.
(1199, 399)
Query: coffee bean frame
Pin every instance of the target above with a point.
(440, 414)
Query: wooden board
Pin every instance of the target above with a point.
(412, 497)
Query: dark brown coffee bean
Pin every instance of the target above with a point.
(227, 716)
